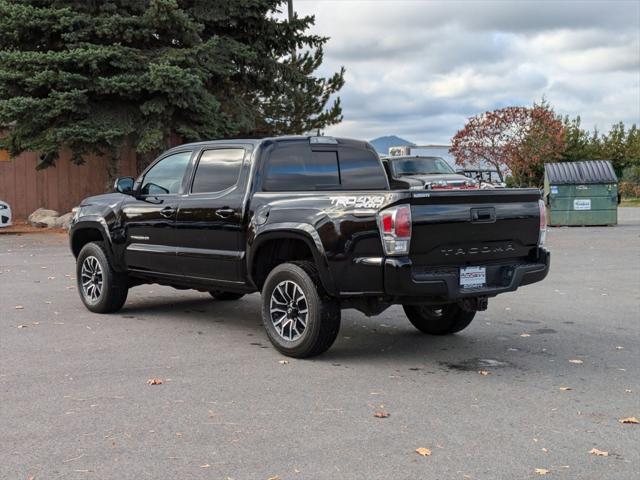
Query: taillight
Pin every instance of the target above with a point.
(395, 229)
(387, 223)
(543, 223)
(403, 222)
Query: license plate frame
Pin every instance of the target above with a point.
(473, 277)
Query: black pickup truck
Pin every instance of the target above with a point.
(312, 224)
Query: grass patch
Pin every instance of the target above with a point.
(630, 202)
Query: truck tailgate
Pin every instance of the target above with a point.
(473, 226)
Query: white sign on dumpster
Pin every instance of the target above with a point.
(582, 204)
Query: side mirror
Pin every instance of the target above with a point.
(124, 185)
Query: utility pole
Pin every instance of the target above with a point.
(290, 4)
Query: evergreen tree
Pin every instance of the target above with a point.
(577, 141)
(620, 145)
(94, 75)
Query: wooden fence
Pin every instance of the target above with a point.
(58, 188)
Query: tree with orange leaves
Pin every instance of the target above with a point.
(516, 140)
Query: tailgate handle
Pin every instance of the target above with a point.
(483, 215)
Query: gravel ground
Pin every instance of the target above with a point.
(562, 357)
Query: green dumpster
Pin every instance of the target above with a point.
(581, 193)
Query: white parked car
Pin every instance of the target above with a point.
(5, 214)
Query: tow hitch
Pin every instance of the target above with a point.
(474, 304)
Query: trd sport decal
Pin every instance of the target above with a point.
(362, 201)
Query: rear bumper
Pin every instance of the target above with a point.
(403, 279)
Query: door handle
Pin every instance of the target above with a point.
(225, 212)
(168, 212)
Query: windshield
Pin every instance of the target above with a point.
(421, 166)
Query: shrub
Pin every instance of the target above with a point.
(631, 174)
(629, 189)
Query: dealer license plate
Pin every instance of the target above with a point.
(473, 277)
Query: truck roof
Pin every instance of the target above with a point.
(257, 141)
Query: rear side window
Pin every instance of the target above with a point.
(217, 170)
(294, 167)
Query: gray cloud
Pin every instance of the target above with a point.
(419, 68)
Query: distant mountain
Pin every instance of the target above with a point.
(382, 144)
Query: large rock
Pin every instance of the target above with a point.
(43, 218)
(64, 221)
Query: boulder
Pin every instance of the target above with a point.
(64, 221)
(43, 218)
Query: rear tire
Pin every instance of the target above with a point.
(301, 320)
(438, 319)
(223, 295)
(101, 288)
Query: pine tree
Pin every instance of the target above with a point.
(94, 75)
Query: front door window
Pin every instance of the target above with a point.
(165, 177)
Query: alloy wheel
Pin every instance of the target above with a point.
(91, 278)
(289, 310)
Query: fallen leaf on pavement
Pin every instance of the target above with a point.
(629, 420)
(154, 381)
(598, 453)
(484, 373)
(576, 361)
(381, 414)
(425, 452)
(566, 389)
(19, 307)
(542, 471)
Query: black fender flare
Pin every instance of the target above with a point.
(300, 231)
(95, 222)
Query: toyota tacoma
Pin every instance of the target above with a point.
(313, 224)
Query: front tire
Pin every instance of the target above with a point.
(224, 295)
(301, 320)
(101, 288)
(438, 319)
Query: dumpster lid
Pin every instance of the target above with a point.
(578, 173)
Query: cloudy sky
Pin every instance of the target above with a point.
(418, 69)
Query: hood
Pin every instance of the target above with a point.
(103, 199)
(453, 179)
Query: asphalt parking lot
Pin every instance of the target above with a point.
(562, 360)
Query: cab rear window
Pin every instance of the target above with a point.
(297, 166)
